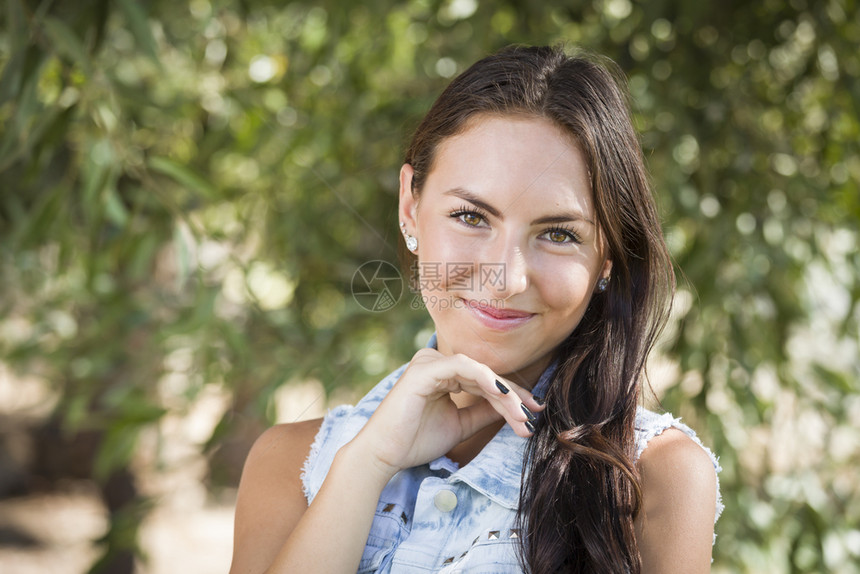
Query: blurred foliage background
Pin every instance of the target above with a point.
(187, 188)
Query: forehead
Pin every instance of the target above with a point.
(524, 160)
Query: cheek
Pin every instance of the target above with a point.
(567, 291)
(449, 264)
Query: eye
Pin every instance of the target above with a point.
(562, 235)
(470, 219)
(469, 216)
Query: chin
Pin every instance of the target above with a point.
(501, 361)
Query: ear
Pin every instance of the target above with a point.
(605, 273)
(607, 269)
(408, 201)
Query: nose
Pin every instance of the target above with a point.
(510, 273)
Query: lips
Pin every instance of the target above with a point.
(499, 313)
(496, 318)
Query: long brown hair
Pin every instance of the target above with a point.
(580, 490)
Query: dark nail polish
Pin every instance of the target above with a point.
(530, 427)
(528, 412)
(538, 400)
(505, 390)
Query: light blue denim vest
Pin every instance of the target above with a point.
(439, 517)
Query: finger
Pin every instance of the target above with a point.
(426, 354)
(458, 372)
(476, 417)
(513, 402)
(534, 403)
(479, 415)
(504, 400)
(511, 405)
(520, 404)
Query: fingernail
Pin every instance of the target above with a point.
(530, 427)
(505, 390)
(528, 412)
(538, 400)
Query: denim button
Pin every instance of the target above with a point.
(445, 500)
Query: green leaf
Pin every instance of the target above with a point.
(116, 450)
(18, 144)
(41, 219)
(16, 24)
(65, 42)
(114, 208)
(183, 253)
(140, 29)
(10, 151)
(842, 382)
(16, 27)
(142, 254)
(140, 412)
(28, 110)
(77, 412)
(183, 175)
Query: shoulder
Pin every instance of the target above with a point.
(271, 500)
(663, 439)
(276, 460)
(282, 447)
(675, 526)
(675, 461)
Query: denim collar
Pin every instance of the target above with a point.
(497, 470)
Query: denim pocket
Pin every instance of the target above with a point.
(490, 558)
(494, 552)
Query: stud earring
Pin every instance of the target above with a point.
(411, 241)
(602, 284)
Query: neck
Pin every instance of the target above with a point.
(467, 450)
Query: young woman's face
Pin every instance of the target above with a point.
(509, 253)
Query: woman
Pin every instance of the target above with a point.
(514, 441)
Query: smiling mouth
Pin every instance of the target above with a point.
(496, 318)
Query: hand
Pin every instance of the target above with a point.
(418, 421)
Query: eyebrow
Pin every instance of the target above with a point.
(478, 202)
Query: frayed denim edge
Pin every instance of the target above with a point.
(667, 421)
